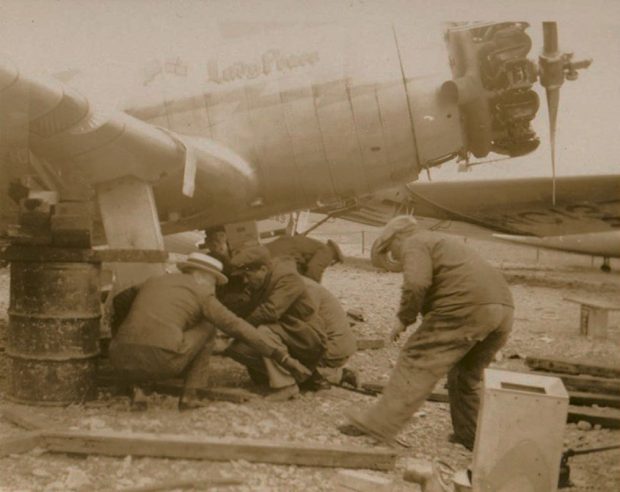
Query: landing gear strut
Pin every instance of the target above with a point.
(606, 267)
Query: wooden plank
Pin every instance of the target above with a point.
(22, 418)
(595, 303)
(589, 384)
(21, 443)
(575, 397)
(233, 395)
(605, 417)
(218, 449)
(370, 343)
(565, 366)
(196, 484)
(582, 398)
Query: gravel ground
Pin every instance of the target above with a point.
(545, 325)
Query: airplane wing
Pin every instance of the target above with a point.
(584, 204)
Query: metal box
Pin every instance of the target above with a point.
(520, 433)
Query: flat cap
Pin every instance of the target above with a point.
(250, 256)
(399, 224)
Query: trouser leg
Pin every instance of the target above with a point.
(464, 379)
(262, 367)
(427, 356)
(405, 392)
(202, 341)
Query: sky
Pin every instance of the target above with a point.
(107, 37)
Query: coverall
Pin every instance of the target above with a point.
(283, 311)
(467, 313)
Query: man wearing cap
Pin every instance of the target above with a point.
(341, 341)
(467, 311)
(281, 309)
(170, 329)
(312, 256)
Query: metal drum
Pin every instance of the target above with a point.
(53, 333)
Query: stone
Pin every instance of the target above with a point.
(584, 426)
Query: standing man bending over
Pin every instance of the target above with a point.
(283, 311)
(467, 311)
(170, 330)
(312, 256)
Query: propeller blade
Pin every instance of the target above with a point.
(553, 102)
(552, 77)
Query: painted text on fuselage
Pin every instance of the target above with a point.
(271, 61)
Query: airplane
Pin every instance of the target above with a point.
(285, 122)
(585, 218)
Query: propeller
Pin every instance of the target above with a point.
(554, 66)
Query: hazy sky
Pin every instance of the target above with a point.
(106, 36)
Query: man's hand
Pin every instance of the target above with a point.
(397, 329)
(296, 368)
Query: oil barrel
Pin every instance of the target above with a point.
(53, 332)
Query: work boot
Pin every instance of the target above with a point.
(138, 399)
(358, 427)
(283, 394)
(316, 382)
(349, 377)
(189, 400)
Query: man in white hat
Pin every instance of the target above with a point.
(467, 311)
(170, 330)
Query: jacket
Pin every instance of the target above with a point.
(284, 304)
(341, 341)
(444, 277)
(167, 306)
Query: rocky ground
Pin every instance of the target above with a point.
(545, 325)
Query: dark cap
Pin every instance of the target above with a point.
(250, 257)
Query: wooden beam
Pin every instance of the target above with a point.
(197, 484)
(602, 400)
(605, 417)
(564, 366)
(20, 443)
(589, 384)
(22, 419)
(575, 397)
(219, 449)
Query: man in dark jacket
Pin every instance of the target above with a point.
(341, 341)
(312, 256)
(283, 311)
(170, 329)
(467, 311)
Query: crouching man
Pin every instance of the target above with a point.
(341, 341)
(467, 311)
(170, 330)
(283, 311)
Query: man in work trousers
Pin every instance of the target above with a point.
(467, 311)
(170, 329)
(282, 311)
(341, 341)
(312, 256)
